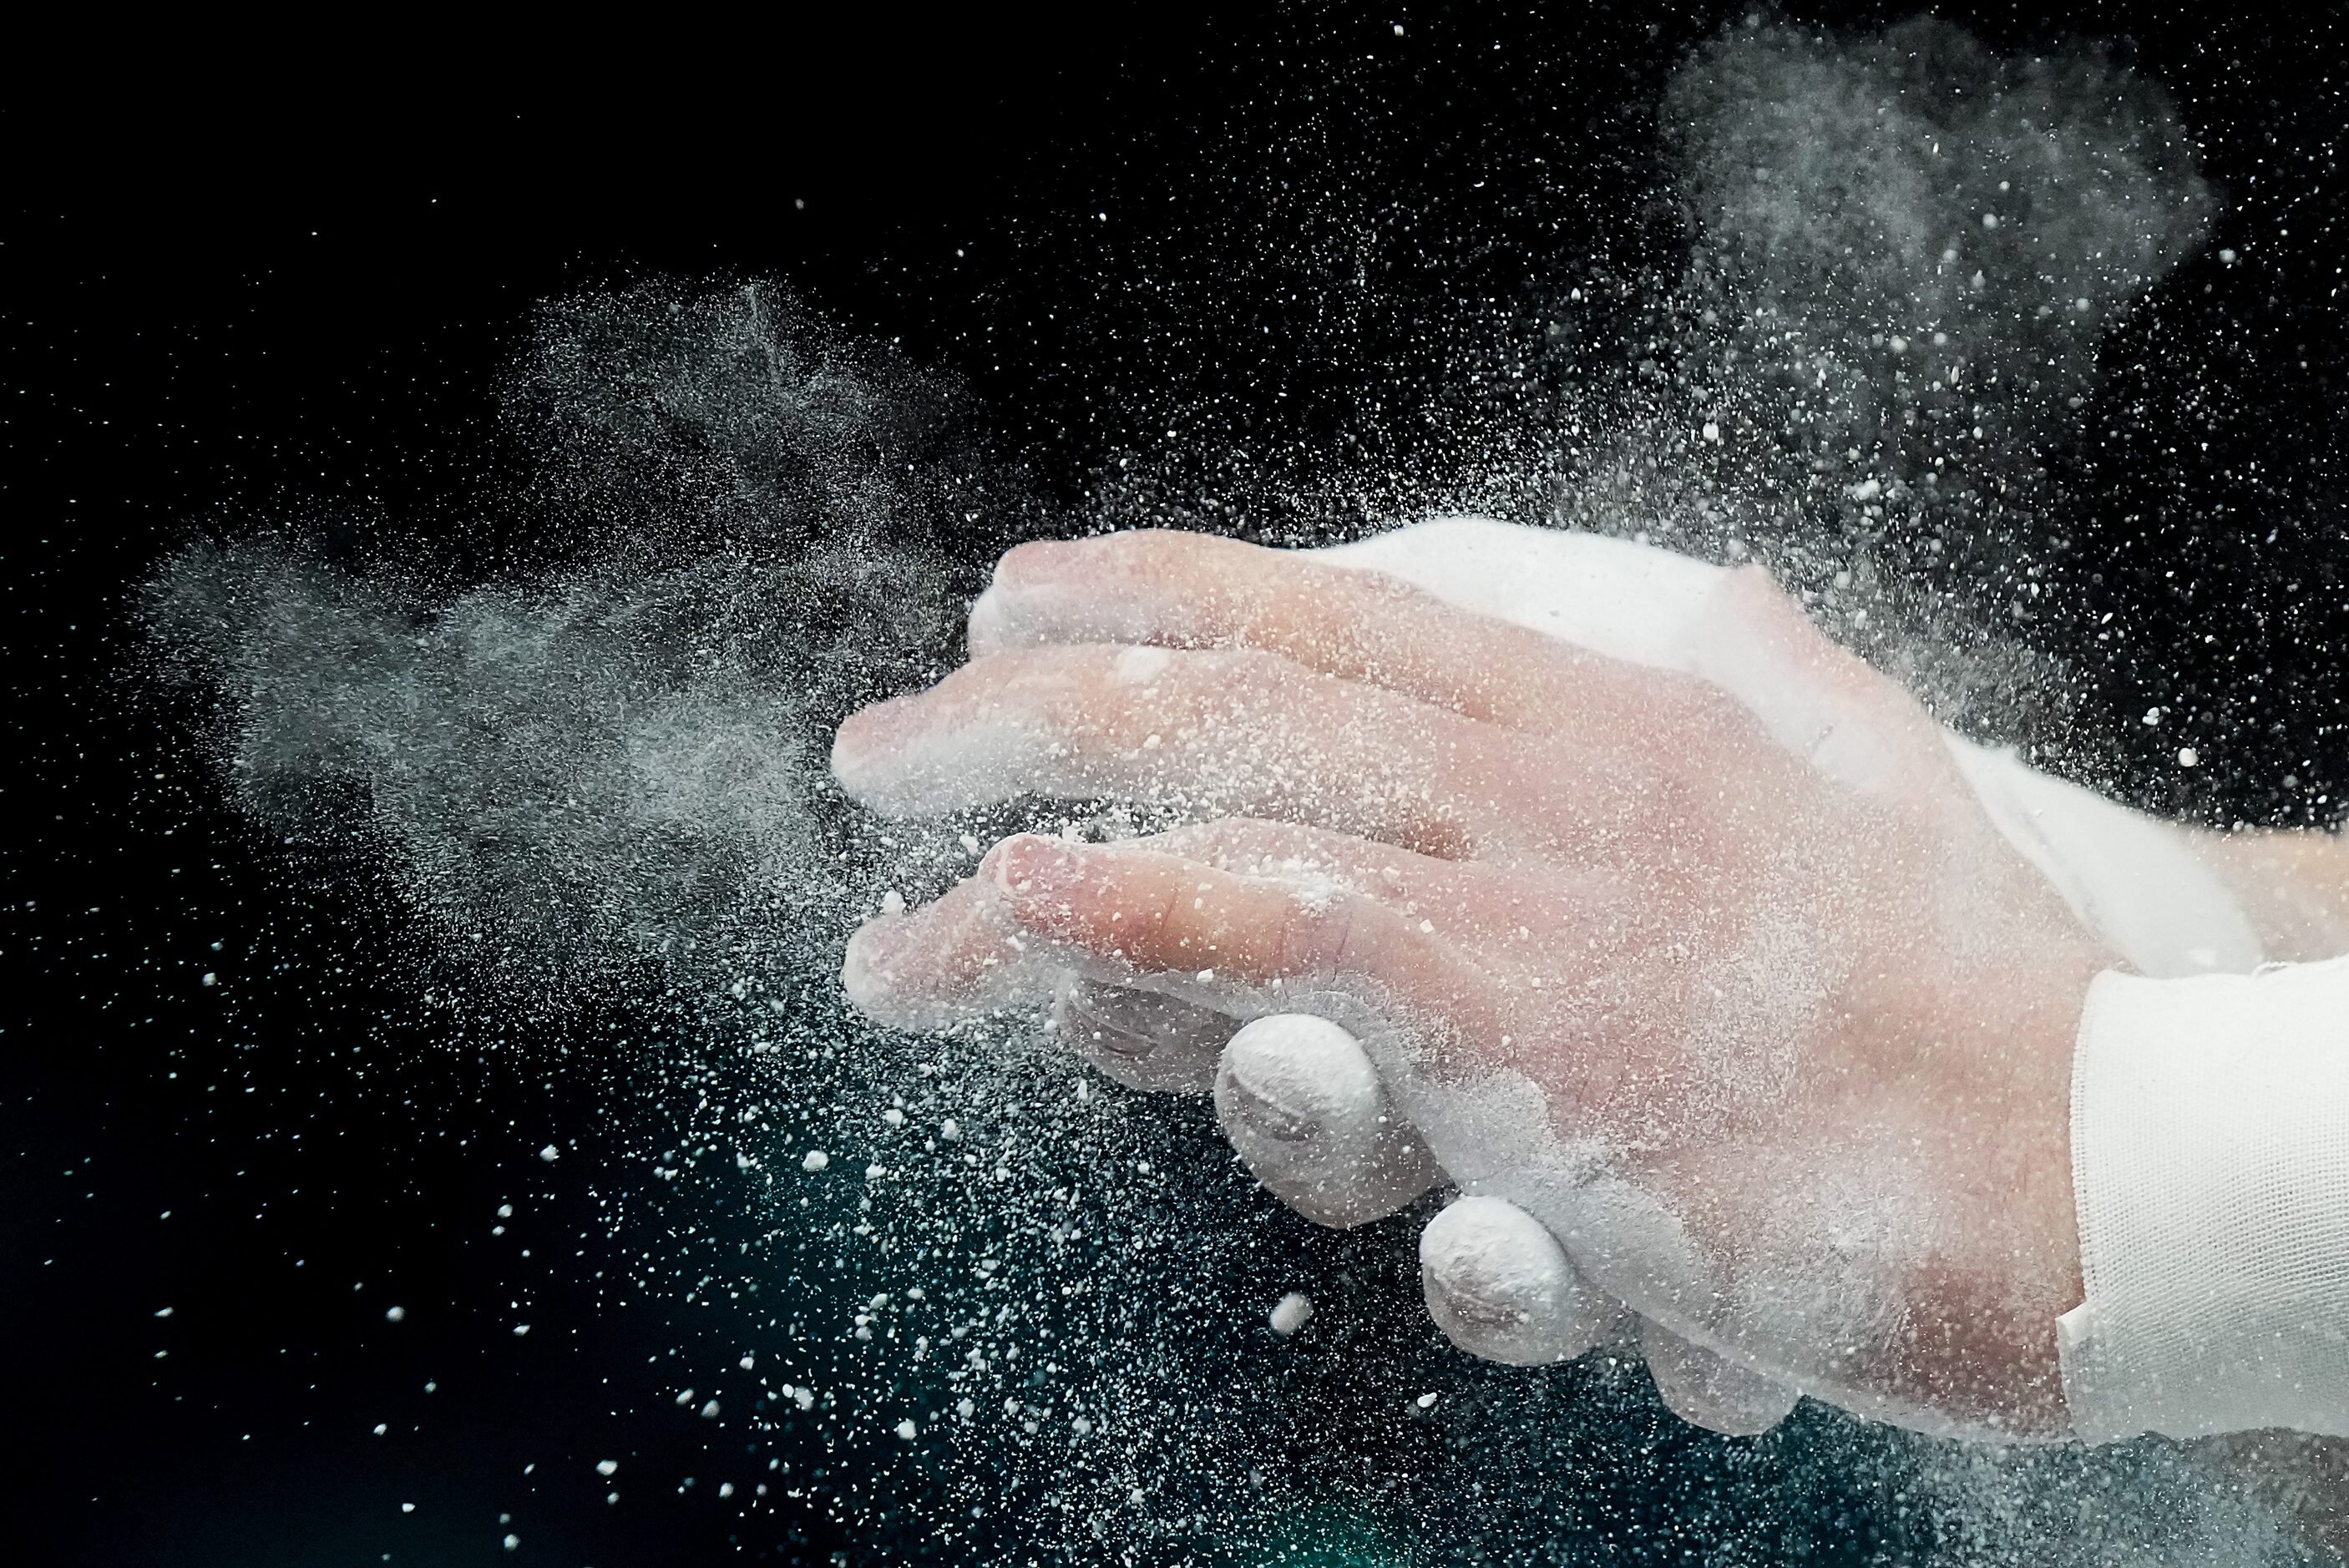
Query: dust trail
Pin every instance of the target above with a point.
(615, 762)
(599, 774)
(1908, 250)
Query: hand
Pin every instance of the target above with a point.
(1777, 1044)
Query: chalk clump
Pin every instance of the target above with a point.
(1306, 1111)
(1501, 1287)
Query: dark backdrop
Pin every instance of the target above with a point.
(243, 282)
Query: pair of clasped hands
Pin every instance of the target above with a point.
(1734, 1022)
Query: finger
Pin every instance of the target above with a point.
(1039, 908)
(1200, 591)
(1350, 619)
(965, 954)
(1140, 1039)
(959, 956)
(1186, 929)
(1491, 907)
(1258, 846)
(1501, 1287)
(1707, 1390)
(1304, 1108)
(1153, 1042)
(1218, 734)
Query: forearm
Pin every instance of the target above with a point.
(2293, 886)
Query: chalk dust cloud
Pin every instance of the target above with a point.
(1012, 1305)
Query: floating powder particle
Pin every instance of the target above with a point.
(601, 776)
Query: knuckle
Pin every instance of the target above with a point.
(1307, 939)
(1346, 936)
(1159, 919)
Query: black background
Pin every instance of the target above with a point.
(239, 289)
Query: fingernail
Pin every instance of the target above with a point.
(1500, 1287)
(1259, 1106)
(1304, 1108)
(1468, 1303)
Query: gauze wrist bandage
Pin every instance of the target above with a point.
(2210, 1173)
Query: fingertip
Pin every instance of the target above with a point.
(1303, 1107)
(1502, 1288)
(989, 628)
(862, 750)
(1029, 564)
(1002, 615)
(869, 974)
(1031, 867)
(995, 618)
(1093, 897)
(918, 755)
(1132, 586)
(852, 743)
(956, 958)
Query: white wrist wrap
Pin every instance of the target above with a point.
(2210, 1168)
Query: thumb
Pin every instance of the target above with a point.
(1501, 1287)
(1708, 1391)
(1305, 1110)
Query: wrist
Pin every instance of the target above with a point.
(1984, 1338)
(2293, 886)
